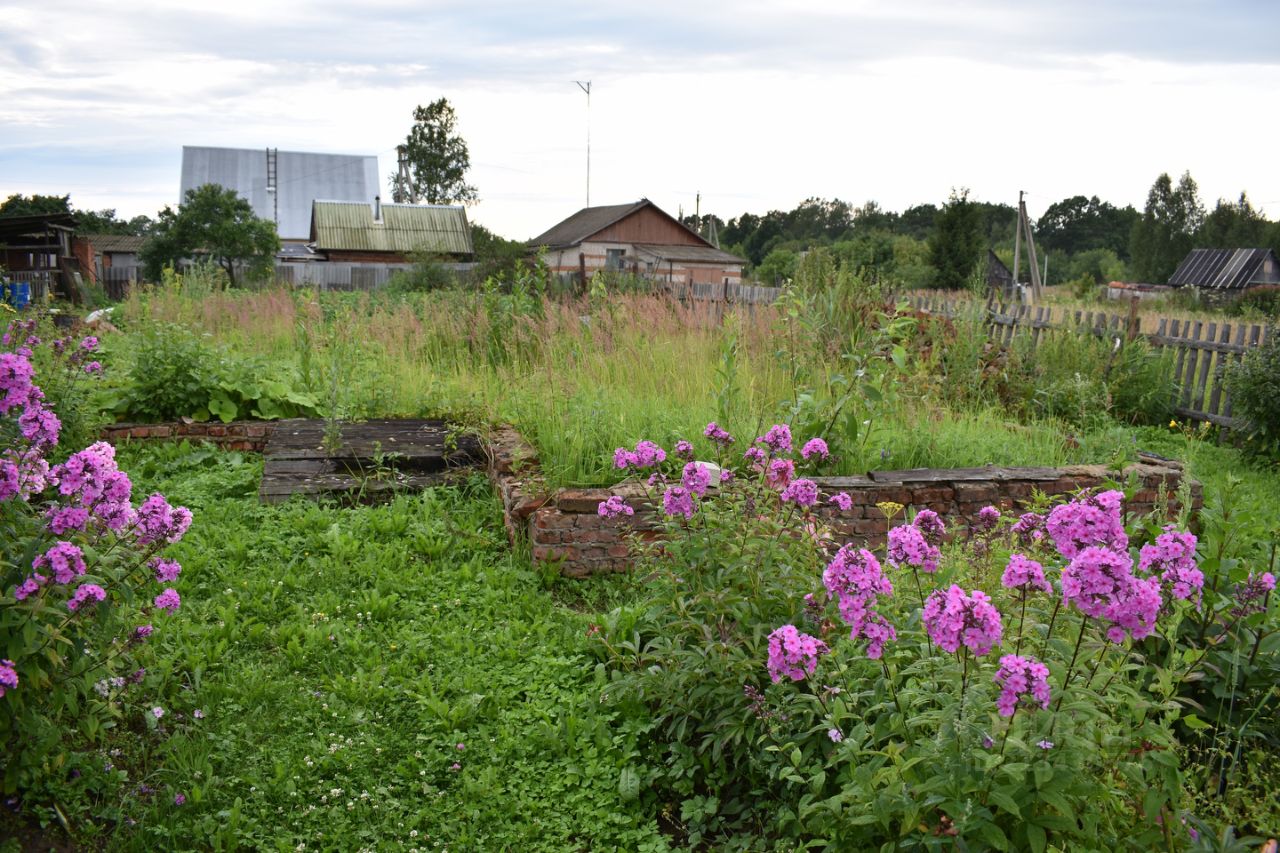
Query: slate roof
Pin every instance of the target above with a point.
(1222, 269)
(115, 242)
(349, 226)
(301, 178)
(690, 254)
(584, 223)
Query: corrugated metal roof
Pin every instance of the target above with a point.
(584, 223)
(1219, 269)
(694, 254)
(348, 226)
(115, 242)
(301, 178)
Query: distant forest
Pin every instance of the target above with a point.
(1087, 240)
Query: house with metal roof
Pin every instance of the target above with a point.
(639, 238)
(389, 233)
(281, 185)
(1227, 270)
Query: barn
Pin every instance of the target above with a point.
(1227, 271)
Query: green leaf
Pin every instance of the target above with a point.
(1006, 802)
(1037, 838)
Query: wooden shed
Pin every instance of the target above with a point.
(389, 233)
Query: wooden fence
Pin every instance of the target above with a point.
(321, 276)
(1202, 349)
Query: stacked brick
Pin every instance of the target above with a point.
(238, 435)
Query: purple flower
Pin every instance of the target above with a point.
(167, 571)
(1173, 557)
(696, 478)
(842, 500)
(1029, 528)
(39, 425)
(1021, 678)
(855, 578)
(613, 507)
(793, 654)
(168, 600)
(85, 592)
(929, 523)
(648, 454)
(726, 476)
(1045, 744)
(93, 367)
(954, 617)
(755, 457)
(179, 799)
(66, 560)
(460, 747)
(803, 493)
(142, 632)
(777, 439)
(814, 447)
(89, 344)
(988, 518)
(987, 742)
(157, 712)
(908, 547)
(717, 434)
(198, 714)
(66, 519)
(684, 449)
(677, 501)
(835, 734)
(780, 473)
(1095, 578)
(1087, 522)
(15, 381)
(623, 458)
(8, 676)
(27, 588)
(157, 521)
(1024, 574)
(455, 767)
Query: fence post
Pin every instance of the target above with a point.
(1131, 331)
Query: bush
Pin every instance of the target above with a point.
(1254, 384)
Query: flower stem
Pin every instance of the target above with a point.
(1022, 619)
(1084, 623)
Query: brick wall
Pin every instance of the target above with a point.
(237, 435)
(564, 526)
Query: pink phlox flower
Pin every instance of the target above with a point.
(1045, 744)
(168, 600)
(167, 571)
(1173, 557)
(717, 434)
(66, 561)
(842, 500)
(908, 547)
(1029, 528)
(15, 381)
(803, 493)
(89, 344)
(10, 480)
(157, 712)
(793, 654)
(85, 592)
(684, 449)
(1025, 574)
(1086, 522)
(696, 478)
(780, 474)
(623, 458)
(988, 518)
(156, 520)
(613, 507)
(141, 632)
(835, 734)
(677, 500)
(1021, 679)
(815, 447)
(27, 588)
(1095, 578)
(1134, 609)
(930, 525)
(648, 454)
(726, 476)
(93, 367)
(8, 676)
(856, 580)
(66, 519)
(25, 473)
(777, 439)
(954, 618)
(39, 425)
(754, 457)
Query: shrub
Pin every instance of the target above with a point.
(1254, 384)
(82, 580)
(1001, 691)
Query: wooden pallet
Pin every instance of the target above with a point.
(372, 460)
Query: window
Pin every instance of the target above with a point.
(613, 258)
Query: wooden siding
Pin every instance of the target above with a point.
(647, 225)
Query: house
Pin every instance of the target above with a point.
(356, 232)
(111, 251)
(40, 250)
(1227, 270)
(639, 238)
(999, 277)
(281, 185)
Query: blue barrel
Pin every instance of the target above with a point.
(20, 294)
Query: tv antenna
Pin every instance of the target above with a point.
(586, 87)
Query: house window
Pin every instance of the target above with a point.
(613, 258)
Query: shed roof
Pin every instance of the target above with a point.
(404, 228)
(115, 242)
(301, 178)
(1220, 269)
(690, 254)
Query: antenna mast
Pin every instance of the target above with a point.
(586, 87)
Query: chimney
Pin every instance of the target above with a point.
(377, 208)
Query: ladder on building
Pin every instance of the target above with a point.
(272, 186)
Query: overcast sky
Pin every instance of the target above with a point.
(757, 105)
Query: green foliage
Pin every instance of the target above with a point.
(956, 244)
(1077, 225)
(438, 158)
(216, 222)
(1166, 232)
(176, 374)
(1254, 383)
(777, 268)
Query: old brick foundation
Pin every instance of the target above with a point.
(563, 526)
(237, 435)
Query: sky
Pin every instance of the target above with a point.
(753, 105)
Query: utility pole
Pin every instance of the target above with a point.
(1033, 262)
(586, 87)
(1017, 241)
(404, 191)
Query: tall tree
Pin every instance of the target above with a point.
(438, 159)
(218, 223)
(1165, 233)
(955, 246)
(1080, 224)
(1234, 225)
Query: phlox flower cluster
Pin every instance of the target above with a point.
(780, 473)
(91, 479)
(988, 518)
(684, 449)
(856, 580)
(1022, 679)
(1024, 574)
(954, 618)
(23, 473)
(793, 654)
(754, 457)
(842, 500)
(777, 438)
(930, 525)
(1252, 595)
(1085, 522)
(717, 434)
(1173, 557)
(159, 522)
(908, 547)
(677, 501)
(166, 571)
(168, 600)
(1100, 583)
(646, 455)
(803, 493)
(1029, 528)
(16, 386)
(84, 593)
(8, 676)
(64, 559)
(815, 447)
(696, 478)
(613, 507)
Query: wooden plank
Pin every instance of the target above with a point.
(1219, 373)
(945, 475)
(1178, 363)
(1233, 358)
(1189, 377)
(1198, 394)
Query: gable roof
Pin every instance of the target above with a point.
(404, 228)
(115, 242)
(589, 221)
(1221, 269)
(301, 178)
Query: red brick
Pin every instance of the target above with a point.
(976, 492)
(932, 494)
